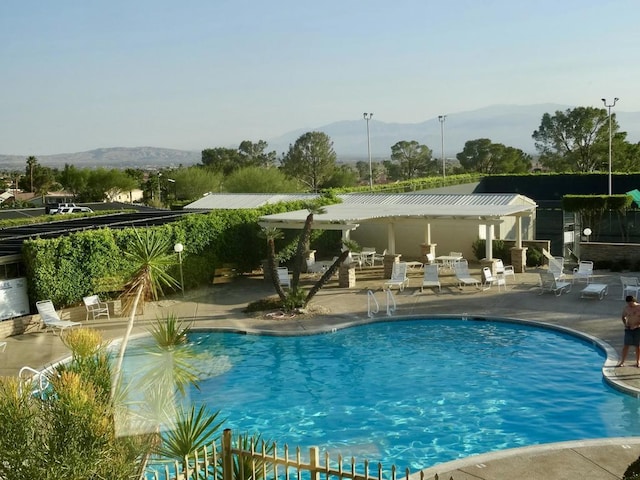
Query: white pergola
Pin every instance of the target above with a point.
(349, 216)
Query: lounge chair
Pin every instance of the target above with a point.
(583, 270)
(549, 283)
(556, 267)
(630, 286)
(283, 277)
(489, 279)
(398, 276)
(461, 270)
(430, 278)
(95, 307)
(50, 317)
(502, 269)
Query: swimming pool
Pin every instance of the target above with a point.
(415, 393)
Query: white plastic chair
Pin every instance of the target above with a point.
(283, 277)
(50, 317)
(549, 283)
(379, 256)
(502, 269)
(95, 307)
(583, 270)
(630, 286)
(489, 279)
(398, 276)
(461, 270)
(556, 267)
(430, 278)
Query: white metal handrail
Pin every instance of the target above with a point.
(391, 302)
(36, 379)
(371, 299)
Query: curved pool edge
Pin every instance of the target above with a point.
(511, 459)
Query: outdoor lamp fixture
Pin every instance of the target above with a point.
(175, 189)
(604, 100)
(441, 119)
(159, 192)
(367, 117)
(178, 248)
(587, 233)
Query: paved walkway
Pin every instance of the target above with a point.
(221, 306)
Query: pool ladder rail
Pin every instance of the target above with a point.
(373, 306)
(36, 380)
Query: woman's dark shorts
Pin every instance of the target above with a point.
(632, 337)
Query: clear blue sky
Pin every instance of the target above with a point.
(194, 74)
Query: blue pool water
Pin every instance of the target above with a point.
(414, 393)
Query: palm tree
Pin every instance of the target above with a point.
(294, 298)
(149, 253)
(271, 235)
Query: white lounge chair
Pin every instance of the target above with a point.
(461, 270)
(430, 278)
(630, 286)
(549, 283)
(489, 279)
(502, 269)
(50, 317)
(95, 307)
(283, 277)
(583, 270)
(398, 276)
(556, 267)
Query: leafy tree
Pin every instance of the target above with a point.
(260, 180)
(574, 140)
(193, 182)
(73, 179)
(255, 154)
(409, 159)
(483, 156)
(343, 176)
(311, 159)
(220, 159)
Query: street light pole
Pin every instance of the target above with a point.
(367, 117)
(441, 119)
(604, 100)
(178, 248)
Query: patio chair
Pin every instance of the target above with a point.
(398, 276)
(283, 277)
(379, 257)
(50, 317)
(489, 279)
(630, 286)
(368, 255)
(430, 278)
(583, 270)
(461, 270)
(314, 268)
(556, 267)
(95, 307)
(549, 283)
(502, 269)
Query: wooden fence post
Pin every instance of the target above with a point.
(227, 458)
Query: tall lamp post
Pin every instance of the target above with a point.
(367, 117)
(175, 189)
(604, 100)
(441, 119)
(178, 248)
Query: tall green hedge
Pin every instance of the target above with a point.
(67, 268)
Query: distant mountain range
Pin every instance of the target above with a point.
(511, 125)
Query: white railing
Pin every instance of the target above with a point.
(264, 463)
(36, 380)
(391, 302)
(372, 302)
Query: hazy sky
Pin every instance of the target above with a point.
(193, 74)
